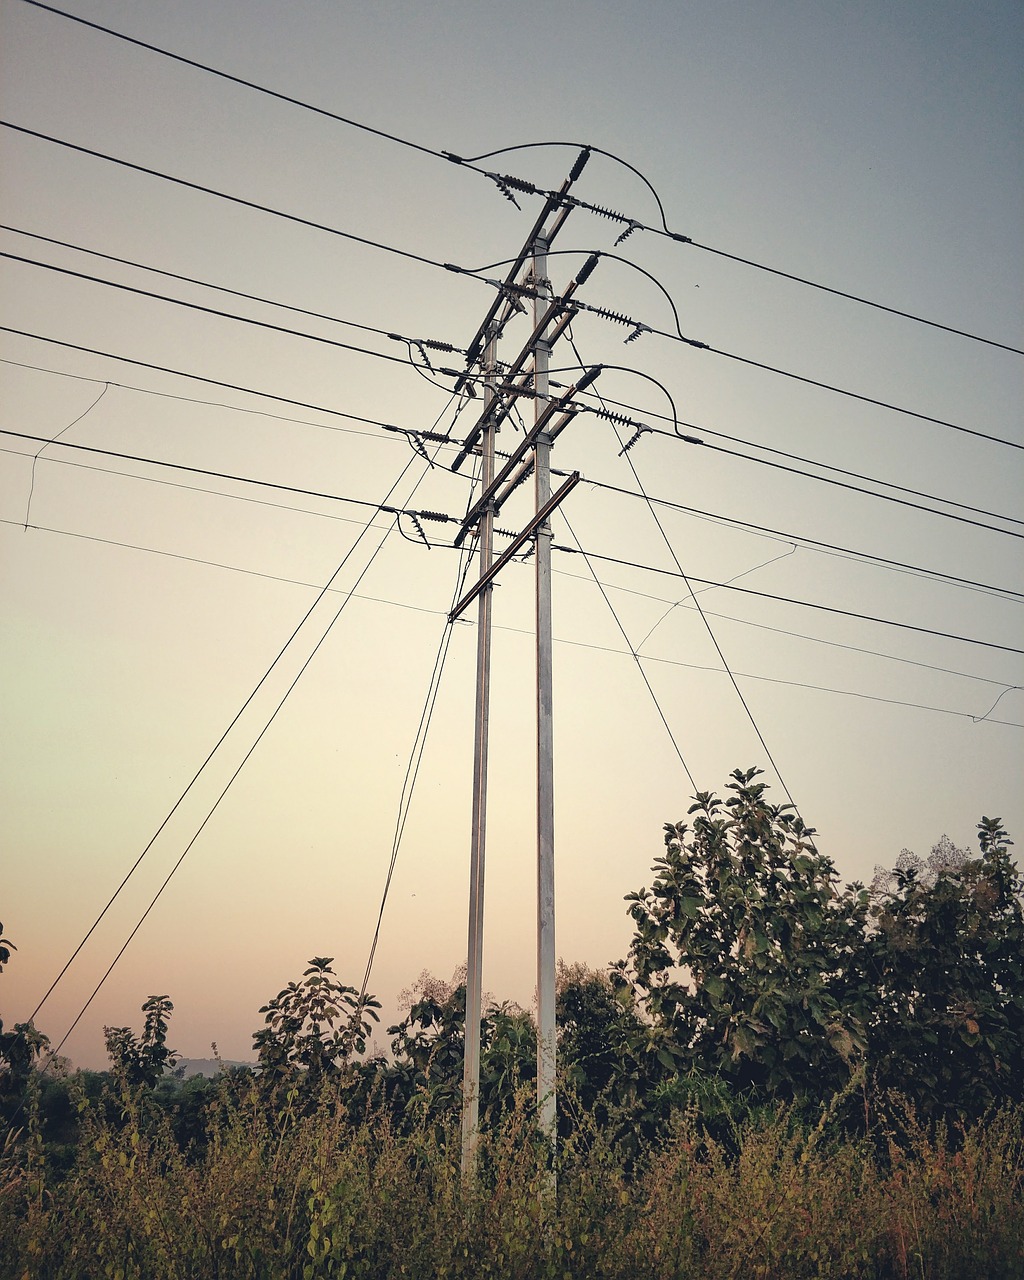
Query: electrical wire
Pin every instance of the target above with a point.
(413, 766)
(607, 400)
(707, 625)
(796, 635)
(54, 440)
(234, 293)
(814, 544)
(197, 377)
(454, 519)
(241, 201)
(177, 804)
(806, 604)
(468, 272)
(216, 804)
(606, 587)
(470, 163)
(206, 471)
(212, 311)
(635, 655)
(218, 404)
(821, 548)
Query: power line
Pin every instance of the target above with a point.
(216, 404)
(216, 747)
(226, 475)
(813, 543)
(240, 200)
(471, 273)
(400, 604)
(430, 515)
(707, 625)
(807, 604)
(432, 343)
(199, 377)
(636, 658)
(796, 635)
(212, 311)
(790, 538)
(415, 761)
(392, 427)
(506, 181)
(213, 808)
(605, 587)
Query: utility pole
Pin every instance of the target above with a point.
(545, 740)
(474, 965)
(527, 374)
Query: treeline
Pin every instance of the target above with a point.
(784, 1077)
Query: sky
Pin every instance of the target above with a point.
(874, 148)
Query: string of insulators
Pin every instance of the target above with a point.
(438, 516)
(435, 436)
(640, 431)
(419, 529)
(611, 416)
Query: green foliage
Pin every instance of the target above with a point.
(743, 963)
(142, 1060)
(946, 961)
(314, 1026)
(19, 1049)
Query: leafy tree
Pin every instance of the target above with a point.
(429, 1047)
(746, 959)
(19, 1048)
(314, 1026)
(946, 958)
(143, 1060)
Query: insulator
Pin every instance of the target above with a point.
(632, 440)
(611, 416)
(640, 328)
(616, 317)
(580, 165)
(584, 273)
(633, 226)
(419, 529)
(517, 184)
(436, 345)
(503, 187)
(438, 516)
(599, 209)
(426, 359)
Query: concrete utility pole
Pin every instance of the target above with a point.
(545, 739)
(527, 374)
(474, 966)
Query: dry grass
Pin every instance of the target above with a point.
(289, 1195)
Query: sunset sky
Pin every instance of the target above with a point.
(873, 147)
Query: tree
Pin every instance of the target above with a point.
(946, 959)
(143, 1060)
(19, 1048)
(314, 1026)
(746, 959)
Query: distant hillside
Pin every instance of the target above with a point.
(208, 1067)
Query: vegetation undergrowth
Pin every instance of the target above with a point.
(309, 1192)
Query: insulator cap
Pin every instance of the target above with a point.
(588, 266)
(580, 165)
